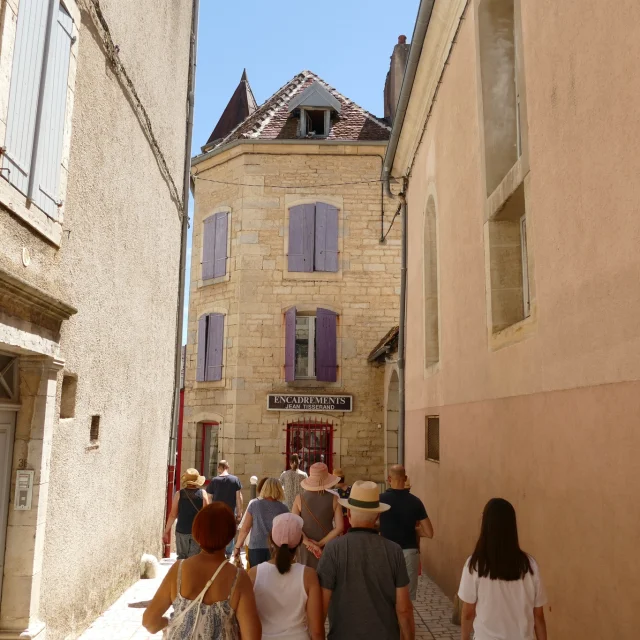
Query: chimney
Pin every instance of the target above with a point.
(393, 83)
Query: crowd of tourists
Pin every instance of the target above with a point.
(318, 548)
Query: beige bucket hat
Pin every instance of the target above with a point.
(319, 478)
(191, 478)
(365, 496)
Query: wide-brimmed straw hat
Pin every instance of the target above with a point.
(319, 478)
(192, 478)
(365, 496)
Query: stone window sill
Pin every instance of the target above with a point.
(16, 203)
(213, 281)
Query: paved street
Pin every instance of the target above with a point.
(123, 621)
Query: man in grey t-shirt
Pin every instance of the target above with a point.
(363, 576)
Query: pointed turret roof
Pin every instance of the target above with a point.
(274, 120)
(239, 108)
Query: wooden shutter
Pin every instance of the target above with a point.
(301, 237)
(24, 91)
(46, 193)
(326, 238)
(220, 259)
(215, 347)
(208, 247)
(202, 349)
(290, 345)
(326, 346)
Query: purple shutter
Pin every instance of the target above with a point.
(220, 260)
(208, 247)
(215, 344)
(290, 345)
(326, 253)
(326, 346)
(301, 237)
(202, 348)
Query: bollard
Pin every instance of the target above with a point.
(254, 486)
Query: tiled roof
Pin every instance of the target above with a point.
(272, 120)
(387, 345)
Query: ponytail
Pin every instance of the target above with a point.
(295, 461)
(284, 558)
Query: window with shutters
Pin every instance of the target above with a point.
(313, 238)
(37, 108)
(215, 246)
(210, 347)
(311, 345)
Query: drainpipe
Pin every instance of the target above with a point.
(175, 413)
(403, 322)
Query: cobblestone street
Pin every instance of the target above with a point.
(123, 620)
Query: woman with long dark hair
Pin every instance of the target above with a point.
(501, 589)
(288, 594)
(291, 480)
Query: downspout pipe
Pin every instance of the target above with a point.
(403, 324)
(417, 43)
(175, 413)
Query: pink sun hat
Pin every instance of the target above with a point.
(287, 529)
(319, 478)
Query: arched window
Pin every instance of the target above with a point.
(431, 308)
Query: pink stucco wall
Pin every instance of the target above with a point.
(549, 422)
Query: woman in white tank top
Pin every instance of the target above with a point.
(288, 594)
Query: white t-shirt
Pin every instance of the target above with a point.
(504, 609)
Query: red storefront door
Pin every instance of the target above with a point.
(312, 441)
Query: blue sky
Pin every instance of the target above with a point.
(347, 43)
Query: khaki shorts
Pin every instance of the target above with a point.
(412, 560)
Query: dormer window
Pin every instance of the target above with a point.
(315, 123)
(316, 104)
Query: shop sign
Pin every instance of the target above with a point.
(283, 402)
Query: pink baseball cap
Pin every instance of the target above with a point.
(287, 529)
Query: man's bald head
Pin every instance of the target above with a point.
(397, 476)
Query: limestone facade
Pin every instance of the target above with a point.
(88, 293)
(258, 289)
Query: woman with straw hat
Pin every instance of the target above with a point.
(185, 507)
(320, 511)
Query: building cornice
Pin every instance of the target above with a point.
(271, 146)
(419, 94)
(19, 291)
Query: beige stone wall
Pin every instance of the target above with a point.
(117, 263)
(365, 293)
(546, 417)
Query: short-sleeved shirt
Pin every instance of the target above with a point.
(291, 480)
(363, 603)
(504, 608)
(262, 513)
(399, 522)
(224, 489)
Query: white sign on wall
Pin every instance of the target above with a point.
(24, 490)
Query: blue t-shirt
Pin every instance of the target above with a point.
(263, 512)
(399, 522)
(224, 489)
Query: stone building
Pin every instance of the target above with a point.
(93, 115)
(523, 341)
(291, 285)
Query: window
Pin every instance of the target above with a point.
(210, 347)
(312, 441)
(311, 346)
(68, 396)
(38, 102)
(8, 378)
(431, 306)
(94, 433)
(214, 246)
(315, 123)
(313, 237)
(502, 88)
(509, 272)
(432, 438)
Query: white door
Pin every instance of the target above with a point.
(7, 425)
